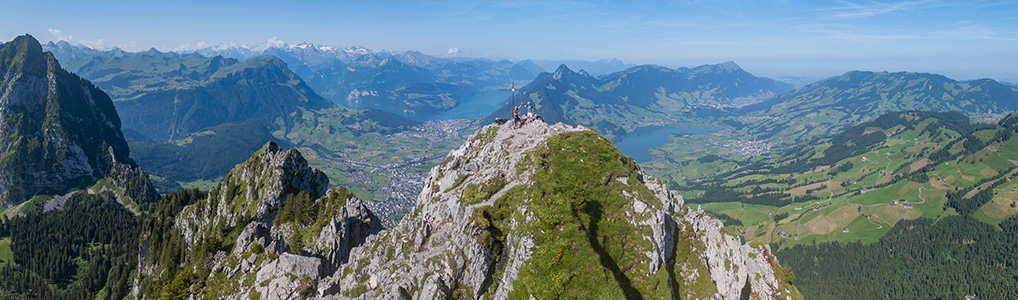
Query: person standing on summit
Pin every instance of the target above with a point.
(530, 114)
(516, 117)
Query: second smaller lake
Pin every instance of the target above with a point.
(639, 142)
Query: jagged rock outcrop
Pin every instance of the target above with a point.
(734, 266)
(552, 211)
(272, 229)
(57, 131)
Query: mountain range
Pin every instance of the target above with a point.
(163, 96)
(819, 110)
(192, 117)
(858, 182)
(641, 96)
(407, 83)
(832, 105)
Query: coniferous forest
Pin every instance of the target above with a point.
(87, 250)
(918, 259)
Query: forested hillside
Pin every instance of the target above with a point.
(87, 250)
(950, 258)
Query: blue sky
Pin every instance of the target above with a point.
(961, 39)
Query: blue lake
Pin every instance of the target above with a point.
(638, 143)
(477, 106)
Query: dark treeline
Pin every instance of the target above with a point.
(167, 247)
(728, 220)
(918, 259)
(967, 206)
(715, 193)
(90, 245)
(855, 140)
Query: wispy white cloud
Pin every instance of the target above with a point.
(976, 30)
(188, 47)
(853, 33)
(273, 42)
(453, 51)
(60, 36)
(96, 44)
(669, 23)
(873, 8)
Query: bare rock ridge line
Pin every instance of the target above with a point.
(257, 236)
(439, 250)
(542, 211)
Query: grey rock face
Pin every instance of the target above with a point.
(731, 263)
(251, 191)
(57, 131)
(249, 199)
(434, 251)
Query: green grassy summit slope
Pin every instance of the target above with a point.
(554, 211)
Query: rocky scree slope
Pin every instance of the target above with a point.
(270, 230)
(57, 131)
(553, 211)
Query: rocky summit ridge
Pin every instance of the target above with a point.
(270, 230)
(537, 212)
(553, 211)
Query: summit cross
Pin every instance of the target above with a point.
(512, 88)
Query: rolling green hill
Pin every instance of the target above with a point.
(827, 107)
(854, 186)
(950, 258)
(908, 205)
(824, 109)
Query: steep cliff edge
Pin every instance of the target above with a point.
(270, 230)
(553, 211)
(58, 132)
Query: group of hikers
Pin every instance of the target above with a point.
(519, 121)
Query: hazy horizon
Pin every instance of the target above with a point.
(963, 40)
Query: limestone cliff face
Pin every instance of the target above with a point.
(552, 211)
(272, 229)
(57, 131)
